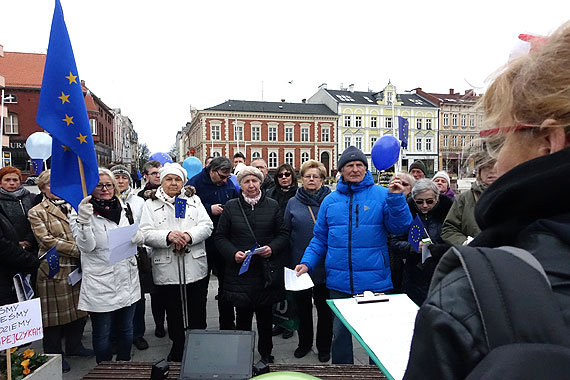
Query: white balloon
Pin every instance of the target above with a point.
(38, 145)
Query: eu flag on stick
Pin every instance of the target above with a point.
(52, 258)
(63, 114)
(403, 127)
(180, 208)
(416, 233)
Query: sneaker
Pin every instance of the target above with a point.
(65, 368)
(159, 331)
(301, 351)
(287, 334)
(277, 330)
(324, 357)
(140, 343)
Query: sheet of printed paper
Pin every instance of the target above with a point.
(294, 283)
(20, 323)
(120, 246)
(386, 328)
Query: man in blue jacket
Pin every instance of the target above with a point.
(350, 235)
(214, 190)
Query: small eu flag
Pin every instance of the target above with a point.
(245, 265)
(38, 165)
(62, 112)
(416, 233)
(180, 208)
(52, 258)
(403, 127)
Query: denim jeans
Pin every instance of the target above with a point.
(342, 339)
(122, 320)
(138, 320)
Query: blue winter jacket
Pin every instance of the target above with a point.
(351, 233)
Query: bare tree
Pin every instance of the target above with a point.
(144, 154)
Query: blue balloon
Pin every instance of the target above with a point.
(385, 152)
(161, 157)
(192, 165)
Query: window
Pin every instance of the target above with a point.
(325, 134)
(272, 135)
(428, 144)
(304, 134)
(304, 157)
(358, 121)
(471, 140)
(347, 141)
(93, 124)
(216, 154)
(389, 123)
(471, 120)
(273, 160)
(238, 131)
(446, 119)
(255, 156)
(288, 133)
(215, 132)
(454, 120)
(373, 122)
(373, 141)
(445, 141)
(256, 133)
(289, 158)
(11, 124)
(419, 123)
(418, 144)
(358, 142)
(428, 124)
(462, 141)
(347, 121)
(454, 141)
(463, 120)
(10, 99)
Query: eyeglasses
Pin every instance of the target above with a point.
(284, 175)
(420, 202)
(223, 176)
(102, 186)
(312, 176)
(154, 174)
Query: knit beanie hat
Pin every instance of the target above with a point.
(249, 170)
(418, 165)
(175, 169)
(122, 170)
(442, 174)
(351, 153)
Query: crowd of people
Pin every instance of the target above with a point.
(350, 240)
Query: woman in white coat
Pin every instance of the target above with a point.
(176, 235)
(108, 292)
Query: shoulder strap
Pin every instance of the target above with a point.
(247, 221)
(512, 292)
(312, 215)
(129, 214)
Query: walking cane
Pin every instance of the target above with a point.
(182, 282)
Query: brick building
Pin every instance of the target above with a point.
(278, 132)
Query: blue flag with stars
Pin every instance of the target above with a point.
(245, 265)
(38, 165)
(403, 128)
(52, 258)
(416, 233)
(62, 112)
(180, 208)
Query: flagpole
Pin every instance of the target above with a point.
(82, 175)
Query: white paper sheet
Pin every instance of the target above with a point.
(74, 277)
(385, 327)
(120, 246)
(294, 283)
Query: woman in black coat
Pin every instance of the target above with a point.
(285, 186)
(253, 291)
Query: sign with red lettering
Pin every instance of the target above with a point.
(20, 323)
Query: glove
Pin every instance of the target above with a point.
(138, 239)
(84, 211)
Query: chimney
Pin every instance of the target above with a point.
(351, 87)
(451, 92)
(341, 86)
(1, 51)
(304, 100)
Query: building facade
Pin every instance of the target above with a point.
(125, 141)
(278, 132)
(364, 117)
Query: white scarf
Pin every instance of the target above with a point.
(165, 197)
(252, 201)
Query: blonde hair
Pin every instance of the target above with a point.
(312, 164)
(103, 171)
(532, 88)
(43, 179)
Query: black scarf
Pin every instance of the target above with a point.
(533, 190)
(109, 209)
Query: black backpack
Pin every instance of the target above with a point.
(523, 324)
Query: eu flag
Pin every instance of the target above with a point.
(38, 165)
(62, 112)
(403, 127)
(416, 233)
(52, 258)
(179, 208)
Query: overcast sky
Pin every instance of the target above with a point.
(153, 59)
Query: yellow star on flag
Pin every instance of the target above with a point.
(72, 78)
(64, 98)
(68, 120)
(66, 148)
(82, 139)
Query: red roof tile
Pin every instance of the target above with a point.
(22, 69)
